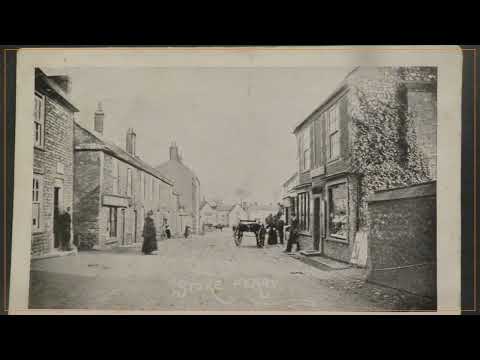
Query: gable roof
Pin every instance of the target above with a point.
(224, 207)
(167, 166)
(47, 84)
(339, 89)
(101, 144)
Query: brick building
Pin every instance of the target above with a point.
(114, 190)
(52, 188)
(187, 185)
(329, 195)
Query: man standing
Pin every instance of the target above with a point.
(67, 227)
(293, 238)
(280, 226)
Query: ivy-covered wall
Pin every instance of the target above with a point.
(385, 151)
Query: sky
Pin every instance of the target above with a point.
(233, 126)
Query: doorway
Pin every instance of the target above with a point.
(122, 218)
(135, 226)
(318, 222)
(57, 210)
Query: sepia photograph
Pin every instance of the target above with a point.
(237, 180)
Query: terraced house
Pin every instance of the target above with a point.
(115, 189)
(52, 185)
(376, 130)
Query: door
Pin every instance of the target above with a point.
(318, 223)
(122, 235)
(57, 210)
(135, 226)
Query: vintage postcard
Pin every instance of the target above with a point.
(293, 180)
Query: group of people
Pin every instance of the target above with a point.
(275, 228)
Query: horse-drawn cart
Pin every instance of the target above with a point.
(247, 226)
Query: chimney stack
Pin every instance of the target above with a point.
(174, 152)
(98, 120)
(131, 145)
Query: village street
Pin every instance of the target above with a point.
(204, 273)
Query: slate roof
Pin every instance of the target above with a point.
(101, 144)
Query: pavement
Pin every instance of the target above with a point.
(207, 273)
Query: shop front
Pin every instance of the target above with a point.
(335, 216)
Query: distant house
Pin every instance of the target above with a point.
(114, 190)
(236, 214)
(187, 185)
(212, 213)
(208, 215)
(52, 187)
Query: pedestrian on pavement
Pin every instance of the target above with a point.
(293, 235)
(66, 224)
(187, 231)
(280, 228)
(149, 235)
(167, 231)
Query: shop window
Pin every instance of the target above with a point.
(303, 211)
(338, 211)
(36, 202)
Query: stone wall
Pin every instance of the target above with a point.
(53, 161)
(87, 198)
(402, 239)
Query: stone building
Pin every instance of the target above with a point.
(221, 214)
(376, 130)
(114, 190)
(187, 185)
(208, 215)
(52, 186)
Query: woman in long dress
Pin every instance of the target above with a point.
(149, 235)
(272, 235)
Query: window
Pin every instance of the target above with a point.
(152, 183)
(303, 211)
(142, 190)
(36, 202)
(112, 220)
(304, 141)
(333, 130)
(145, 186)
(116, 177)
(38, 116)
(318, 139)
(337, 211)
(129, 189)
